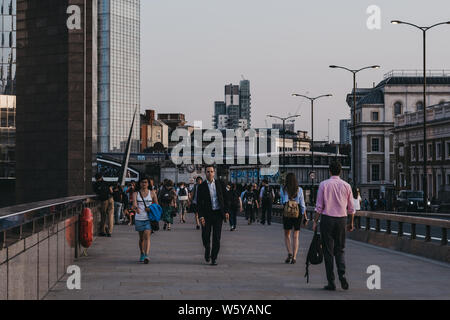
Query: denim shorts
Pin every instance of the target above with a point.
(142, 226)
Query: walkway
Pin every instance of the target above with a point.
(250, 268)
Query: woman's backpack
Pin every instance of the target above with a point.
(291, 209)
(315, 253)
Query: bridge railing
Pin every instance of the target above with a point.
(401, 220)
(38, 241)
(415, 233)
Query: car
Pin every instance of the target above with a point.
(411, 201)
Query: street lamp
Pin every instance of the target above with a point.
(425, 174)
(284, 135)
(312, 175)
(354, 72)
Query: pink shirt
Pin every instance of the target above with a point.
(335, 198)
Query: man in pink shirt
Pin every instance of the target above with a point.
(334, 204)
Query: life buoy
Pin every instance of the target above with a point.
(86, 228)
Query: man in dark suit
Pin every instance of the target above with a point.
(213, 210)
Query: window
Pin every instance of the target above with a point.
(413, 153)
(398, 108)
(447, 150)
(438, 151)
(375, 116)
(375, 172)
(430, 151)
(401, 151)
(419, 106)
(421, 152)
(375, 145)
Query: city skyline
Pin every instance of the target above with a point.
(272, 46)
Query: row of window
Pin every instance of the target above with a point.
(417, 153)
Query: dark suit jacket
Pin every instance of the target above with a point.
(204, 202)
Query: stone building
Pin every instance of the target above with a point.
(409, 152)
(400, 93)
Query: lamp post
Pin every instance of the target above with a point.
(312, 175)
(354, 72)
(284, 136)
(425, 149)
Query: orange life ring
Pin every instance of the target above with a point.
(86, 228)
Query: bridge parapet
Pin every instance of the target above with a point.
(418, 234)
(38, 241)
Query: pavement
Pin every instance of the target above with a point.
(251, 267)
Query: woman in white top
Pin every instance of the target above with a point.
(357, 200)
(142, 200)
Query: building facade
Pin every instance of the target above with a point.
(56, 100)
(8, 53)
(400, 93)
(154, 133)
(409, 150)
(235, 111)
(344, 130)
(119, 74)
(7, 137)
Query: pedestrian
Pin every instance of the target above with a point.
(235, 205)
(266, 198)
(356, 199)
(213, 211)
(183, 199)
(334, 204)
(104, 192)
(194, 200)
(118, 203)
(366, 204)
(142, 200)
(168, 202)
(250, 204)
(294, 213)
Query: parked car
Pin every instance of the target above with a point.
(411, 201)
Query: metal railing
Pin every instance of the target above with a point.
(417, 73)
(401, 221)
(21, 221)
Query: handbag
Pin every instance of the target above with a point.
(153, 223)
(315, 253)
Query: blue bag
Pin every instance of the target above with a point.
(155, 212)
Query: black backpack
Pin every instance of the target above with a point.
(315, 253)
(249, 199)
(267, 194)
(182, 192)
(165, 196)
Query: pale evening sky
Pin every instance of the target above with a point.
(192, 48)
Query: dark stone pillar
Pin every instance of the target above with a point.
(56, 98)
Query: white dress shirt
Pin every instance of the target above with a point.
(213, 192)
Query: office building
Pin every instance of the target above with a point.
(344, 131)
(119, 74)
(8, 45)
(235, 111)
(56, 100)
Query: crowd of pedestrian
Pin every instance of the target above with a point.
(214, 202)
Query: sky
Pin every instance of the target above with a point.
(190, 49)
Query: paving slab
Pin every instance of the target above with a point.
(251, 267)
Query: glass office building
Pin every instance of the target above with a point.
(7, 88)
(119, 74)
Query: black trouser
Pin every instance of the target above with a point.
(333, 233)
(213, 224)
(233, 217)
(266, 213)
(250, 214)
